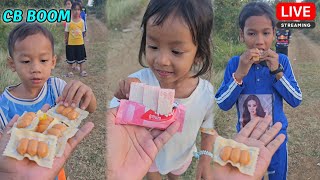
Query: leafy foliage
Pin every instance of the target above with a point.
(99, 7)
(226, 14)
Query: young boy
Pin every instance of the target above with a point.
(31, 55)
(259, 80)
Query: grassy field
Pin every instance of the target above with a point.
(120, 11)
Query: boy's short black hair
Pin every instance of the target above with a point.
(23, 30)
(197, 14)
(256, 9)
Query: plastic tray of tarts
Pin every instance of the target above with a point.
(43, 136)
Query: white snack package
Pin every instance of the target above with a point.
(31, 127)
(165, 101)
(221, 142)
(71, 123)
(136, 92)
(150, 97)
(18, 134)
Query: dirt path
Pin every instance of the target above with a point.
(304, 121)
(122, 59)
(87, 162)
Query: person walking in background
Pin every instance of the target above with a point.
(283, 37)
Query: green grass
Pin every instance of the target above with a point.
(7, 76)
(223, 50)
(313, 33)
(120, 11)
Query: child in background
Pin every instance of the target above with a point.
(75, 50)
(177, 50)
(269, 74)
(67, 5)
(83, 15)
(31, 55)
(282, 40)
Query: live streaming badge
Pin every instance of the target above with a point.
(297, 15)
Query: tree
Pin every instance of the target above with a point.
(226, 14)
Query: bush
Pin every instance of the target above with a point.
(100, 8)
(223, 51)
(119, 11)
(7, 77)
(226, 14)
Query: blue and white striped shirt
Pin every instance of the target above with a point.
(10, 105)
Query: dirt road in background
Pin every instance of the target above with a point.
(87, 161)
(304, 121)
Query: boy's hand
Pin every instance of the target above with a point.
(124, 88)
(272, 59)
(246, 60)
(74, 92)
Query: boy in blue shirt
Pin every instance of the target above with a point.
(31, 55)
(260, 79)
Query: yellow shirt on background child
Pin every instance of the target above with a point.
(75, 30)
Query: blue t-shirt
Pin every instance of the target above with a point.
(260, 82)
(83, 15)
(10, 105)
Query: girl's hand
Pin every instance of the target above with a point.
(272, 59)
(246, 60)
(74, 92)
(124, 88)
(204, 169)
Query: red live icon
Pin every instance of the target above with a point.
(303, 11)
